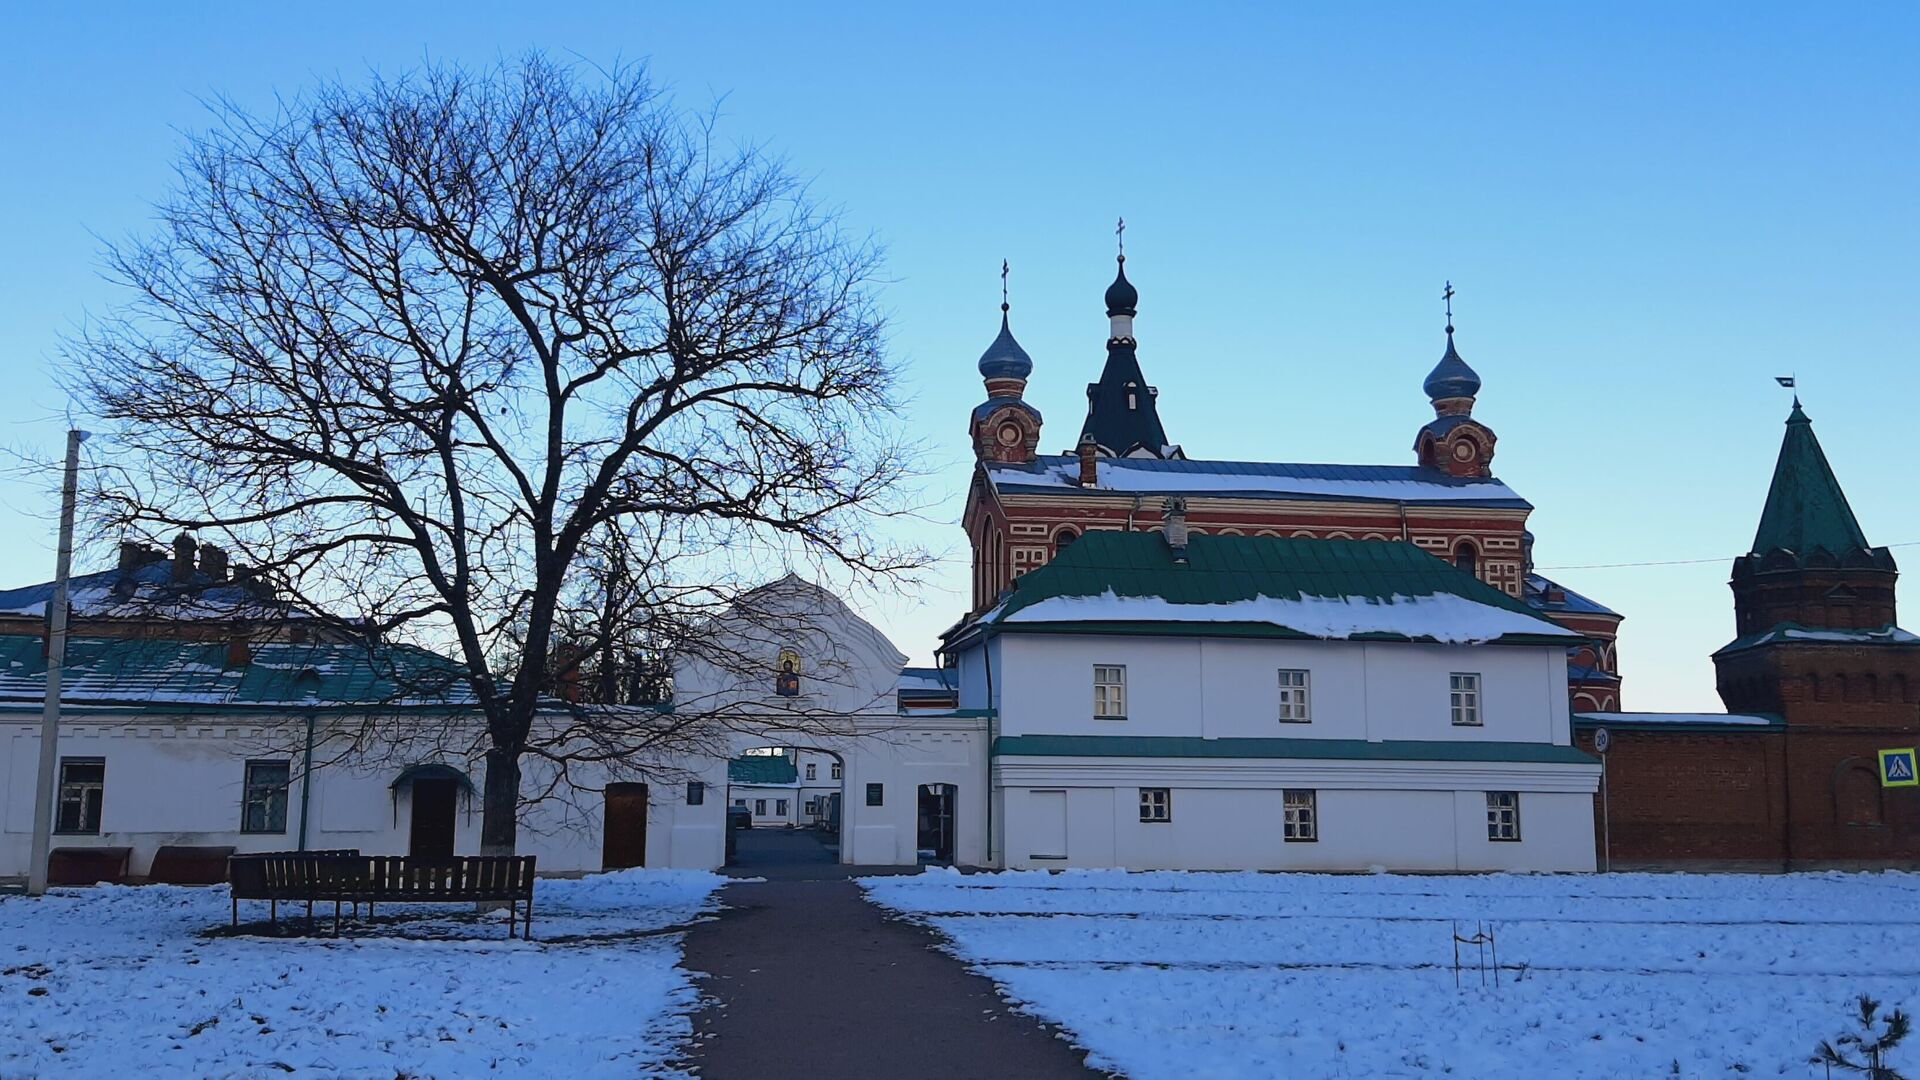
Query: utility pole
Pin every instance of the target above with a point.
(56, 657)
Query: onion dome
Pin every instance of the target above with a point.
(1122, 297)
(1451, 377)
(1005, 359)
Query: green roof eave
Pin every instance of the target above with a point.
(1586, 722)
(1229, 630)
(1174, 746)
(1792, 633)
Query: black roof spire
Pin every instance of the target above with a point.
(1122, 416)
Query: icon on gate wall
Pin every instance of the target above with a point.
(786, 680)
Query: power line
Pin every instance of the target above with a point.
(1684, 562)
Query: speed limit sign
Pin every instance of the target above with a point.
(1602, 739)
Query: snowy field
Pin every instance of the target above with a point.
(124, 981)
(1171, 976)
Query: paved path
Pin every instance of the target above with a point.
(811, 980)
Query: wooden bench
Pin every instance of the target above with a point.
(176, 864)
(351, 878)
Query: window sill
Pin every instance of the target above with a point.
(1284, 720)
(1503, 839)
(1097, 716)
(1302, 839)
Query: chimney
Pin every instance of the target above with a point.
(183, 547)
(1089, 461)
(134, 555)
(213, 562)
(239, 652)
(1176, 517)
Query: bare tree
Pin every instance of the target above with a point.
(424, 350)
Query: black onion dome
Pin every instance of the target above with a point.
(1122, 297)
(1005, 359)
(1451, 377)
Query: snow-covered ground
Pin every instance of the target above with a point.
(1185, 976)
(122, 981)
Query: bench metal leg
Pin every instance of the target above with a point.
(526, 922)
(509, 920)
(336, 918)
(236, 911)
(273, 910)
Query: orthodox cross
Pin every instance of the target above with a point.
(1120, 231)
(1003, 284)
(1447, 295)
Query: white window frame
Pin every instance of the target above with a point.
(780, 808)
(1300, 815)
(1109, 691)
(1296, 696)
(759, 808)
(834, 772)
(269, 798)
(1463, 699)
(1156, 805)
(812, 769)
(1503, 817)
(80, 803)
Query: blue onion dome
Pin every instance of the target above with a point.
(1005, 359)
(1122, 297)
(1451, 377)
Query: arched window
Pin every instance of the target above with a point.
(1063, 540)
(1466, 558)
(1856, 793)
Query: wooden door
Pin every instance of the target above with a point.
(624, 839)
(434, 806)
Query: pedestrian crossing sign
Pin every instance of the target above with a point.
(1897, 768)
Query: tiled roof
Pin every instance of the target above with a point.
(1411, 484)
(144, 671)
(762, 769)
(1287, 587)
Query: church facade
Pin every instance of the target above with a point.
(1024, 507)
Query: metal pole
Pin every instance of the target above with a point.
(1606, 815)
(56, 657)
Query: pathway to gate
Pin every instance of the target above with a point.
(807, 978)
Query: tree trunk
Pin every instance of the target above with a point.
(500, 803)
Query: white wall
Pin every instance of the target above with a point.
(763, 802)
(179, 780)
(1229, 688)
(1223, 823)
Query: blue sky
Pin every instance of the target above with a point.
(1648, 210)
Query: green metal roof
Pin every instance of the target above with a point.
(1716, 723)
(1805, 507)
(152, 672)
(1232, 569)
(1794, 633)
(1171, 746)
(762, 769)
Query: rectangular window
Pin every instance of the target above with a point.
(263, 802)
(1293, 697)
(696, 793)
(1464, 698)
(739, 802)
(83, 783)
(1110, 691)
(1503, 815)
(1156, 804)
(812, 770)
(812, 807)
(759, 808)
(780, 807)
(876, 794)
(834, 771)
(1302, 816)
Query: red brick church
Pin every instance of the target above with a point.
(1024, 507)
(1817, 680)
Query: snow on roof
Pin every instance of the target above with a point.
(149, 592)
(1885, 635)
(1537, 589)
(1677, 718)
(1440, 617)
(926, 680)
(1260, 480)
